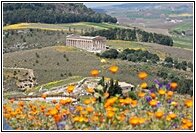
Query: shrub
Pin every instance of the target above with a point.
(132, 95)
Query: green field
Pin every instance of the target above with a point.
(65, 27)
(184, 26)
(119, 44)
(183, 42)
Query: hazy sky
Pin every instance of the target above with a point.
(94, 4)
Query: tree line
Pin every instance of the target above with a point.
(51, 13)
(183, 65)
(130, 55)
(132, 35)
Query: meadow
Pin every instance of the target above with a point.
(160, 50)
(155, 109)
(62, 27)
(60, 62)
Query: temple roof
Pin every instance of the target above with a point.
(74, 36)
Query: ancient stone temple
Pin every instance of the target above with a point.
(93, 44)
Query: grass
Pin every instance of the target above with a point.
(181, 15)
(180, 45)
(119, 44)
(80, 64)
(183, 42)
(183, 27)
(50, 85)
(65, 27)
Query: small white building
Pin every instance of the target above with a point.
(126, 87)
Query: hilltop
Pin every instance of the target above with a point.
(51, 13)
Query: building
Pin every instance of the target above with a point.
(93, 44)
(126, 87)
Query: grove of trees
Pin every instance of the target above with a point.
(51, 13)
(132, 35)
(131, 55)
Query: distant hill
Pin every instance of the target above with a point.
(127, 5)
(51, 13)
(99, 10)
(185, 7)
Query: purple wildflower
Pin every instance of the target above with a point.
(64, 116)
(62, 124)
(77, 112)
(169, 101)
(182, 115)
(157, 82)
(148, 98)
(158, 104)
(71, 108)
(168, 85)
(152, 90)
(174, 126)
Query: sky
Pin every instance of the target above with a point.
(94, 4)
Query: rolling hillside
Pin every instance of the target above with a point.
(51, 13)
(60, 62)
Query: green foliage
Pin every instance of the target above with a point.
(132, 95)
(111, 87)
(114, 88)
(169, 59)
(64, 56)
(131, 55)
(190, 64)
(132, 35)
(51, 13)
(112, 54)
(37, 55)
(185, 86)
(184, 63)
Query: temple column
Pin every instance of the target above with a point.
(97, 44)
(83, 44)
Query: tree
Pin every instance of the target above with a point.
(114, 88)
(190, 64)
(122, 56)
(184, 63)
(37, 55)
(169, 59)
(144, 59)
(112, 54)
(170, 65)
(175, 62)
(184, 67)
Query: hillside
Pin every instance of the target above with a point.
(56, 63)
(51, 13)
